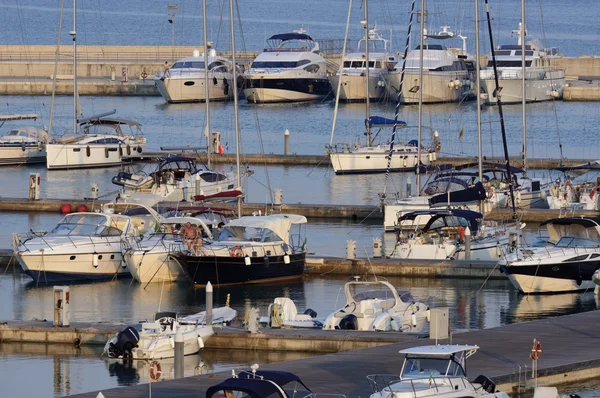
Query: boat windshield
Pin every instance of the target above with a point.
(367, 291)
(188, 64)
(569, 241)
(248, 234)
(84, 225)
(428, 367)
(448, 221)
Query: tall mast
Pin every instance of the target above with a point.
(74, 36)
(498, 96)
(367, 105)
(235, 108)
(478, 94)
(206, 90)
(524, 86)
(420, 126)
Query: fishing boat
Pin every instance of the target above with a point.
(156, 339)
(289, 70)
(22, 145)
(83, 246)
(352, 69)
(564, 262)
(251, 249)
(434, 371)
(542, 81)
(377, 305)
(185, 80)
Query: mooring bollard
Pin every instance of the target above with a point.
(286, 142)
(209, 304)
(179, 355)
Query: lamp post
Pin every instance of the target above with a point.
(172, 8)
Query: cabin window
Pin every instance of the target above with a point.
(190, 83)
(576, 259)
(312, 68)
(188, 64)
(72, 257)
(594, 255)
(76, 149)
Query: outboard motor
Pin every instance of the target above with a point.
(127, 339)
(310, 312)
(349, 322)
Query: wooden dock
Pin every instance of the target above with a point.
(569, 354)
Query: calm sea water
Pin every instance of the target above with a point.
(571, 26)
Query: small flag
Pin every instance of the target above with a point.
(430, 379)
(462, 132)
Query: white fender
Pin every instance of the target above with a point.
(382, 323)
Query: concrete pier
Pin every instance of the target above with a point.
(582, 90)
(568, 356)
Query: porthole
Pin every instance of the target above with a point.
(190, 83)
(72, 257)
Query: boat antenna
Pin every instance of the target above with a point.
(498, 95)
(389, 164)
(339, 85)
(206, 89)
(235, 108)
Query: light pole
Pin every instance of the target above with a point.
(172, 8)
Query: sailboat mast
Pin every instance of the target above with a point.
(524, 86)
(74, 36)
(235, 108)
(420, 124)
(206, 90)
(367, 104)
(478, 94)
(500, 113)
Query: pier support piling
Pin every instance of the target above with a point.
(179, 354)
(209, 304)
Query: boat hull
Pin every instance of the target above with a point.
(70, 156)
(233, 270)
(158, 347)
(286, 89)
(437, 86)
(10, 155)
(153, 266)
(191, 89)
(555, 277)
(536, 90)
(352, 88)
(376, 161)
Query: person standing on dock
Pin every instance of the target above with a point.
(167, 72)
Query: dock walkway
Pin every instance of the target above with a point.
(569, 354)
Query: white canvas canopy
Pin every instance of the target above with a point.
(278, 223)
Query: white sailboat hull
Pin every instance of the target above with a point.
(437, 86)
(375, 160)
(70, 156)
(19, 155)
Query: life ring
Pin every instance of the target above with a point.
(237, 251)
(536, 350)
(490, 192)
(155, 370)
(144, 75)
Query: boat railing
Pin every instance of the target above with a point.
(574, 251)
(385, 382)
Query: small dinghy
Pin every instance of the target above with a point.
(221, 315)
(283, 313)
(156, 339)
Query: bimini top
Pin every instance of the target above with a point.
(471, 217)
(380, 121)
(437, 350)
(291, 36)
(253, 388)
(278, 223)
(587, 222)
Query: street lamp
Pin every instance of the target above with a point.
(172, 8)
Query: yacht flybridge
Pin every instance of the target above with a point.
(184, 81)
(22, 144)
(352, 70)
(101, 141)
(434, 371)
(447, 72)
(289, 70)
(542, 81)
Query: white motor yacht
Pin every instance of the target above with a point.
(289, 70)
(156, 339)
(543, 82)
(377, 305)
(22, 144)
(101, 141)
(352, 70)
(444, 236)
(447, 72)
(149, 260)
(184, 81)
(564, 262)
(83, 246)
(434, 371)
(177, 178)
(249, 250)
